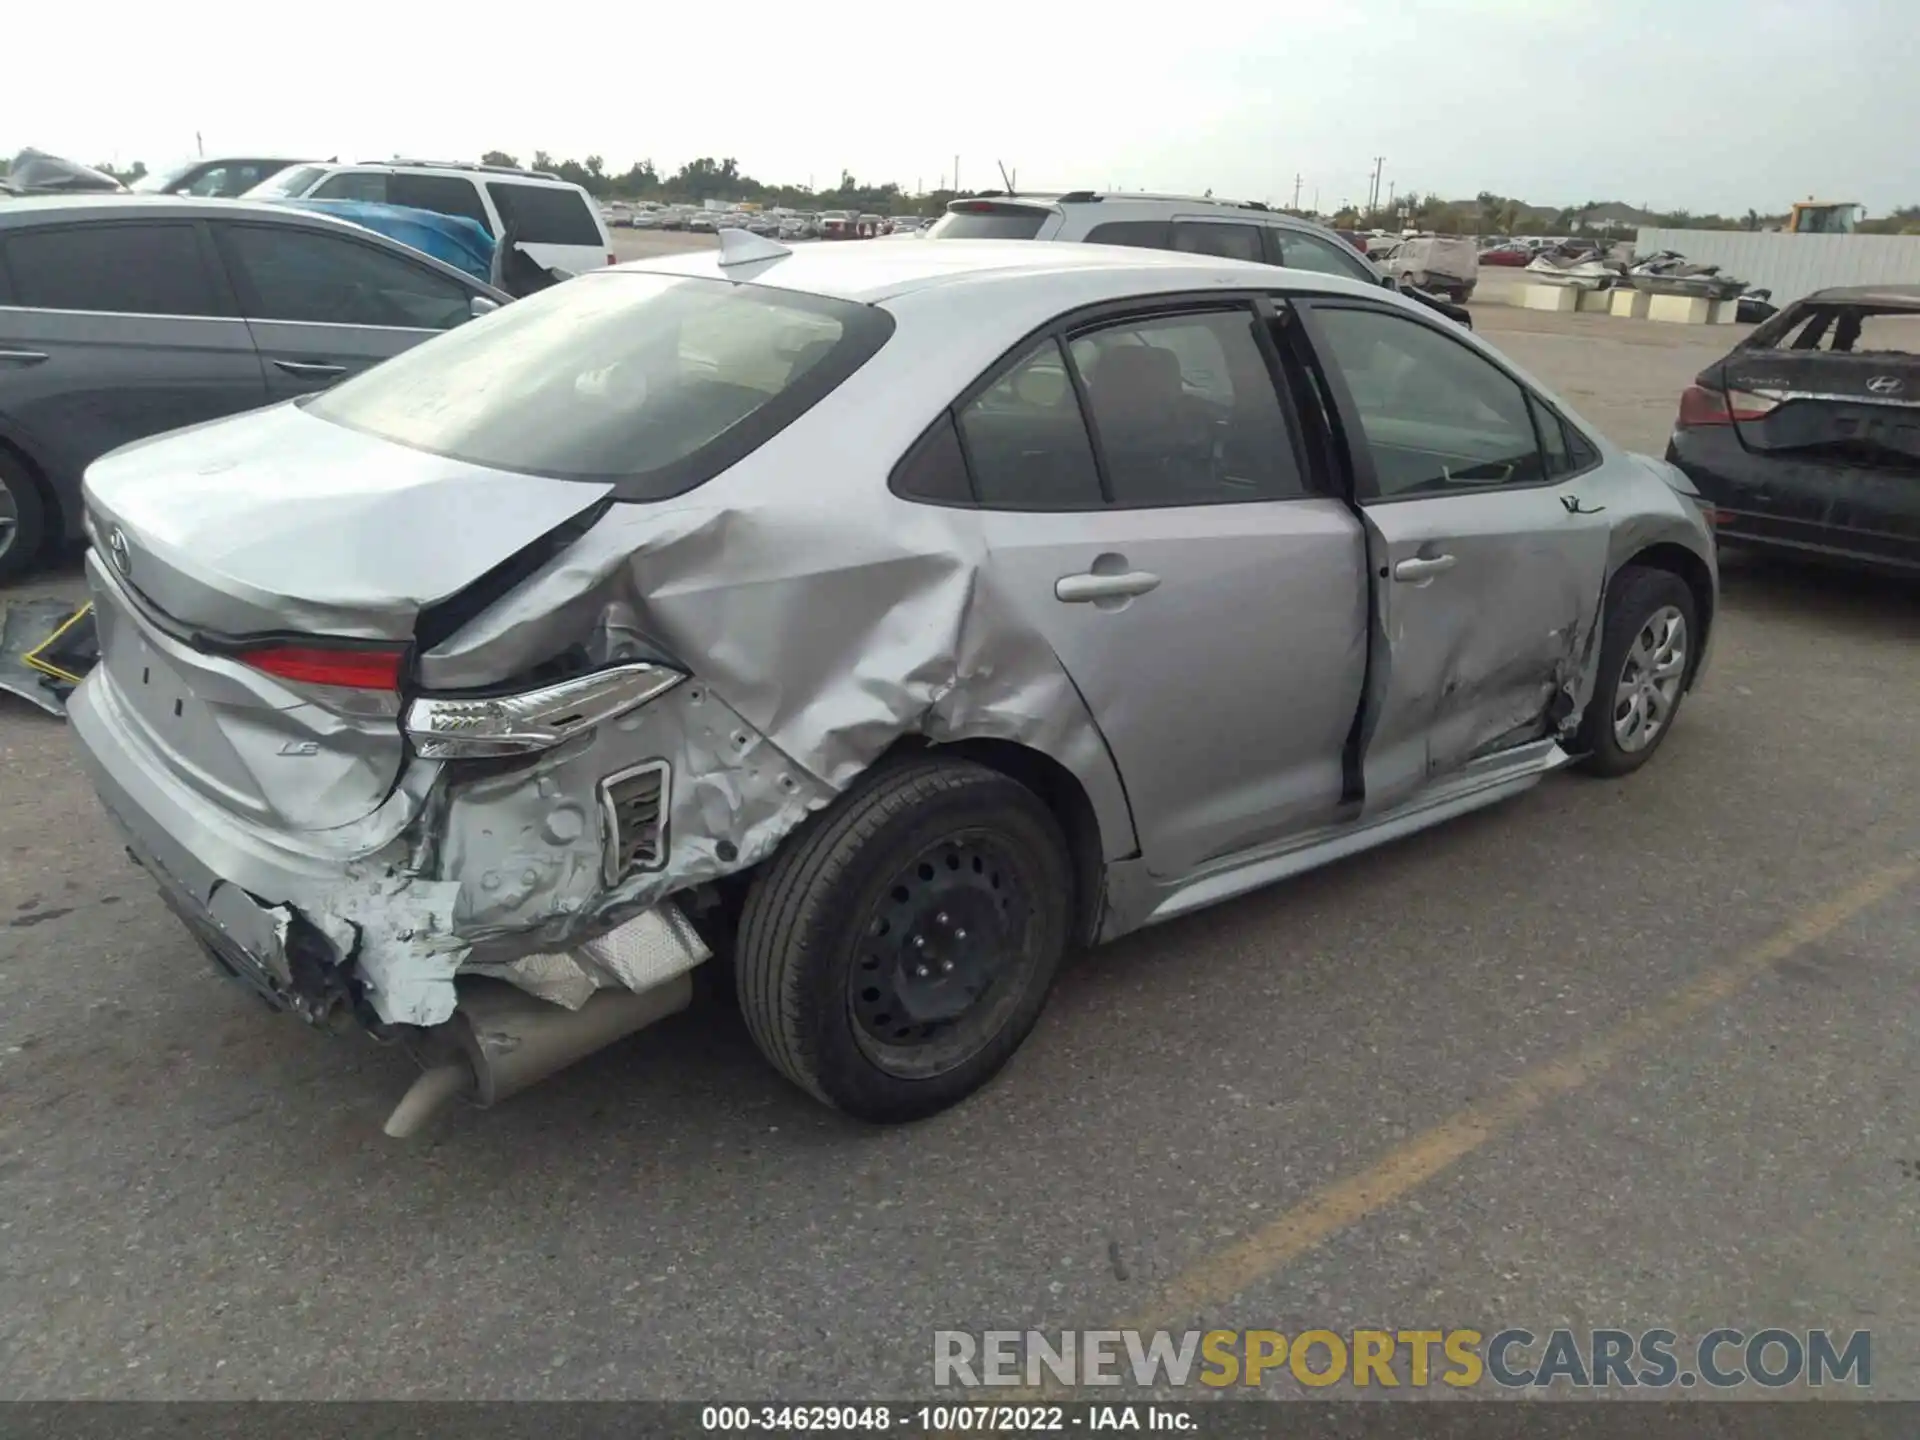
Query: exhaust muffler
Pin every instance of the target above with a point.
(501, 1040)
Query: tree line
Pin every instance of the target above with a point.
(1486, 214)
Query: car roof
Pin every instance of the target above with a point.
(26, 209)
(872, 273)
(1894, 297)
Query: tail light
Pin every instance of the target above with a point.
(1701, 405)
(612, 259)
(448, 727)
(350, 667)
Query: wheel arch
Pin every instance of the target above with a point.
(1694, 572)
(1059, 789)
(58, 522)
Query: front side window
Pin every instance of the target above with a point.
(1026, 440)
(1438, 417)
(545, 214)
(284, 273)
(126, 269)
(1186, 412)
(1228, 239)
(653, 383)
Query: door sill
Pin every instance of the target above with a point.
(1485, 782)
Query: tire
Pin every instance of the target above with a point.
(1641, 603)
(22, 504)
(841, 926)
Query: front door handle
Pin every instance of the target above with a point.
(1082, 589)
(310, 369)
(22, 357)
(1423, 567)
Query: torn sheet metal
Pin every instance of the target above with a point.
(27, 629)
(646, 951)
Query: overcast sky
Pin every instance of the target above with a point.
(1707, 104)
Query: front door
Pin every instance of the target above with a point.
(1488, 556)
(322, 307)
(1205, 600)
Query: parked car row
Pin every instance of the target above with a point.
(777, 222)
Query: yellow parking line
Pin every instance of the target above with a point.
(1226, 1273)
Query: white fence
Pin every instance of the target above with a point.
(1795, 265)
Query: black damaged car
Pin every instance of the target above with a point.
(1806, 438)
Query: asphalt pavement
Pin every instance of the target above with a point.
(1633, 1054)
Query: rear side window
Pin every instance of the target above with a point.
(291, 182)
(284, 273)
(985, 220)
(1186, 413)
(1140, 234)
(545, 214)
(652, 383)
(1027, 441)
(361, 185)
(442, 194)
(1326, 257)
(125, 269)
(1214, 237)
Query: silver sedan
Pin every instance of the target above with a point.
(874, 623)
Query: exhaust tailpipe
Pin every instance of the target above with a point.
(504, 1040)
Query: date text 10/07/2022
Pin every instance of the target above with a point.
(943, 1419)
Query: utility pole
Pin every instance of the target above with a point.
(1296, 189)
(1390, 189)
(1373, 195)
(956, 174)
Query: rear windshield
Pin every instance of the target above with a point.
(974, 220)
(1845, 329)
(653, 383)
(546, 214)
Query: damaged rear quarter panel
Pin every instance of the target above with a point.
(821, 619)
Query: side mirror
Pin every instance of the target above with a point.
(481, 305)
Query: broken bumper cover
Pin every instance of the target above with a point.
(317, 932)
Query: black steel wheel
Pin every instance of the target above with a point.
(897, 950)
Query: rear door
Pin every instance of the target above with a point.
(1839, 418)
(1489, 547)
(116, 331)
(1205, 595)
(556, 224)
(323, 306)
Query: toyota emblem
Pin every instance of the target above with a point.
(121, 552)
(1885, 384)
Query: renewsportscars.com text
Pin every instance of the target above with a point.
(1721, 1359)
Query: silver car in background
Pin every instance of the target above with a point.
(883, 620)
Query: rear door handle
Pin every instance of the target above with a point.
(310, 369)
(1080, 589)
(1423, 567)
(22, 357)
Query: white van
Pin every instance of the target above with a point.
(559, 223)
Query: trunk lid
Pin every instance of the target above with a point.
(279, 522)
(236, 561)
(1852, 409)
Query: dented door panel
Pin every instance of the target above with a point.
(1484, 613)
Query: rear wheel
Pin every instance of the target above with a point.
(896, 952)
(1646, 656)
(23, 519)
